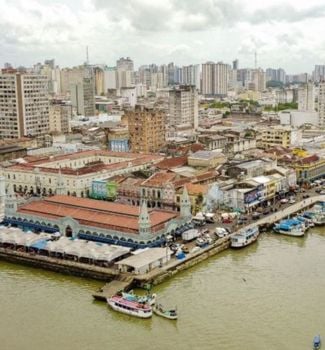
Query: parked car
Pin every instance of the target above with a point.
(318, 190)
(256, 215)
(266, 211)
(322, 192)
(292, 200)
(306, 195)
(284, 200)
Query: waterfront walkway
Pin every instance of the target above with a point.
(288, 211)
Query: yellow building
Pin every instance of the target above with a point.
(196, 193)
(278, 135)
(310, 168)
(146, 129)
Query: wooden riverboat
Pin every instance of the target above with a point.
(166, 313)
(131, 308)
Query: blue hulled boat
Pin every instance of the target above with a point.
(317, 343)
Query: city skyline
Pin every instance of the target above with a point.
(284, 34)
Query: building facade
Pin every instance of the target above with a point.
(24, 105)
(214, 79)
(183, 106)
(146, 129)
(75, 172)
(321, 104)
(97, 220)
(60, 114)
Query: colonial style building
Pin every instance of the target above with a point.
(75, 171)
(97, 220)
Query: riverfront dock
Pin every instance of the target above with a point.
(113, 287)
(117, 281)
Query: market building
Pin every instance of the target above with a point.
(94, 220)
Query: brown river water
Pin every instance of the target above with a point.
(267, 296)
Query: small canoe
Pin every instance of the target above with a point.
(317, 343)
(160, 311)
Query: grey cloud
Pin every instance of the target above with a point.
(286, 13)
(193, 15)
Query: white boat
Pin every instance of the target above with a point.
(319, 218)
(131, 308)
(171, 314)
(245, 237)
(290, 227)
(147, 299)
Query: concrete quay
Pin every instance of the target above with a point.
(116, 281)
(66, 267)
(173, 267)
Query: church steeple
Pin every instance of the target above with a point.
(185, 205)
(144, 220)
(60, 186)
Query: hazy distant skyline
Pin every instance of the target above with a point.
(285, 33)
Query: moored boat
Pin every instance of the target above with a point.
(132, 308)
(145, 299)
(317, 343)
(171, 314)
(319, 218)
(245, 237)
(290, 227)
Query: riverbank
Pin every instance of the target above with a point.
(157, 275)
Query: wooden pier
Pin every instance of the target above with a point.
(123, 283)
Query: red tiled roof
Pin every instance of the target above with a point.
(311, 159)
(172, 163)
(95, 213)
(90, 168)
(158, 179)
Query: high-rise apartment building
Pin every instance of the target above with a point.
(319, 73)
(183, 106)
(82, 89)
(191, 75)
(276, 74)
(146, 129)
(214, 79)
(24, 105)
(321, 104)
(306, 98)
(125, 72)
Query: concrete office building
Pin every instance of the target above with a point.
(306, 98)
(183, 106)
(321, 104)
(24, 104)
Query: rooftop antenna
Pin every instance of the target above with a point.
(255, 56)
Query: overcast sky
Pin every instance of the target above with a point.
(285, 33)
